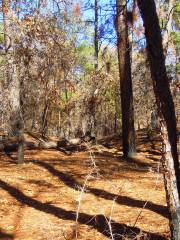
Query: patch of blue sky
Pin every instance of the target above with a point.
(106, 11)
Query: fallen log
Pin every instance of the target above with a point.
(13, 146)
(71, 145)
(47, 145)
(66, 146)
(75, 141)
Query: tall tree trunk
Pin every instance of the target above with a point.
(168, 28)
(96, 35)
(96, 64)
(12, 79)
(165, 110)
(124, 57)
(165, 41)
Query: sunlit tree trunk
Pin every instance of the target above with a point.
(44, 127)
(168, 27)
(165, 110)
(14, 85)
(124, 57)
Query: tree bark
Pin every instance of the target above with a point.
(14, 84)
(44, 119)
(168, 28)
(96, 35)
(124, 57)
(165, 110)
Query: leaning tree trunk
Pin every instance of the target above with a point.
(165, 41)
(166, 111)
(14, 85)
(124, 57)
(171, 4)
(45, 120)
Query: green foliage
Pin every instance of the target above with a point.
(175, 36)
(2, 60)
(1, 33)
(176, 14)
(85, 52)
(178, 68)
(67, 96)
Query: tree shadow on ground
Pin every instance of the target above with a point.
(9, 155)
(41, 183)
(98, 222)
(5, 236)
(150, 151)
(139, 164)
(133, 162)
(122, 200)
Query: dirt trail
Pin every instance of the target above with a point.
(39, 199)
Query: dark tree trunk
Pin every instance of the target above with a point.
(96, 35)
(44, 120)
(165, 110)
(124, 57)
(21, 146)
(21, 120)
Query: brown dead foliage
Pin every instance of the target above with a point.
(39, 199)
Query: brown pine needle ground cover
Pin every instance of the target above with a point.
(90, 195)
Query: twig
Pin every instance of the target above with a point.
(80, 199)
(83, 189)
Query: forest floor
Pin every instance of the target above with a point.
(90, 195)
